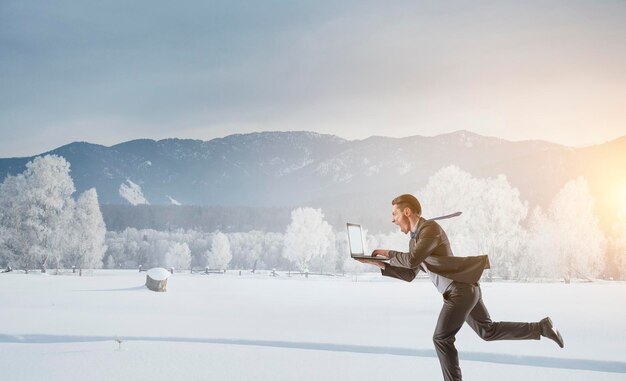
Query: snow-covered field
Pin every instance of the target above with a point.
(257, 327)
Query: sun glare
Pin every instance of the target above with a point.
(621, 199)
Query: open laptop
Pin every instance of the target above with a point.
(356, 243)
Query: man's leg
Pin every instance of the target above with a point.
(459, 300)
(488, 330)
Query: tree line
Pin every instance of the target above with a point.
(42, 226)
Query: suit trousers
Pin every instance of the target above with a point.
(463, 303)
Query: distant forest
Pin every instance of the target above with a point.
(198, 218)
(230, 219)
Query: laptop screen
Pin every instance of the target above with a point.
(355, 238)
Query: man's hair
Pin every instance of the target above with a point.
(408, 201)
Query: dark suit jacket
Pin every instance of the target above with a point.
(431, 248)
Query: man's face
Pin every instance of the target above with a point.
(399, 218)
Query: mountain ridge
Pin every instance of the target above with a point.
(293, 168)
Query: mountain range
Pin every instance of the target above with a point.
(287, 169)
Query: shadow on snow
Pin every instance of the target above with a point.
(537, 361)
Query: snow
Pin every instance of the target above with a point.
(173, 201)
(132, 193)
(254, 326)
(158, 273)
(296, 166)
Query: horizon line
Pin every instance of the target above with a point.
(321, 134)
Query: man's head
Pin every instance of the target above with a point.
(405, 212)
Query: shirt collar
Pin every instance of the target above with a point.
(414, 230)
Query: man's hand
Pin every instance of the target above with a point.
(380, 253)
(370, 262)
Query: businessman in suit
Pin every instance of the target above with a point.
(456, 278)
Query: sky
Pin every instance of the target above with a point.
(111, 71)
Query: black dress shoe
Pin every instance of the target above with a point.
(548, 330)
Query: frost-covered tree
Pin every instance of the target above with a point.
(125, 247)
(36, 210)
(4, 253)
(579, 240)
(146, 247)
(159, 246)
(199, 243)
(219, 257)
(502, 215)
(272, 254)
(109, 262)
(141, 247)
(307, 236)
(248, 248)
(87, 233)
(539, 260)
(178, 255)
(618, 246)
(449, 190)
(132, 247)
(491, 221)
(327, 262)
(15, 244)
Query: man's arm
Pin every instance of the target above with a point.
(391, 271)
(427, 241)
(402, 273)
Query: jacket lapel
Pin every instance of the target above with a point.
(420, 224)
